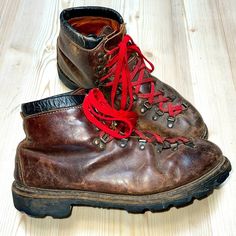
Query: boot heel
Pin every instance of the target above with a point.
(41, 207)
(65, 80)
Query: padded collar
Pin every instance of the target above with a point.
(51, 103)
(75, 36)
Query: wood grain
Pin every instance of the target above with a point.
(192, 44)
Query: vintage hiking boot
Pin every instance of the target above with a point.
(65, 160)
(94, 51)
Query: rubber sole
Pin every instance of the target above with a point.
(38, 202)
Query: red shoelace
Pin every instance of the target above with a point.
(117, 123)
(120, 77)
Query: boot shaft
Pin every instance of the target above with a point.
(85, 36)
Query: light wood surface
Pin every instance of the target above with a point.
(193, 46)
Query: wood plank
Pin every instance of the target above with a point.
(192, 45)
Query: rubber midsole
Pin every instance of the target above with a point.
(177, 193)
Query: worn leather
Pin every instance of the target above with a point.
(58, 153)
(82, 65)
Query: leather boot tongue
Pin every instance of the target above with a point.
(116, 38)
(94, 39)
(105, 31)
(114, 35)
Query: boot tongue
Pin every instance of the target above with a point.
(105, 31)
(94, 39)
(114, 35)
(116, 38)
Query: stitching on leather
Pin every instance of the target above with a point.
(51, 112)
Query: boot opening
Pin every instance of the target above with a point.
(94, 26)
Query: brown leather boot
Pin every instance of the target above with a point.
(65, 161)
(94, 51)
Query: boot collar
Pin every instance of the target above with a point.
(51, 103)
(83, 40)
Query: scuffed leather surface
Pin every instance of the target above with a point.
(189, 123)
(58, 153)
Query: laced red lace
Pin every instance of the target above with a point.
(117, 123)
(124, 78)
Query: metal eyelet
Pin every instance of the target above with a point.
(123, 142)
(118, 90)
(102, 145)
(142, 143)
(166, 145)
(101, 54)
(170, 121)
(97, 82)
(172, 97)
(159, 147)
(185, 105)
(143, 109)
(159, 112)
(101, 142)
(146, 106)
(97, 129)
(105, 70)
(135, 97)
(174, 146)
(190, 144)
(113, 124)
(99, 68)
(102, 57)
(100, 73)
(100, 60)
(104, 138)
(155, 117)
(96, 141)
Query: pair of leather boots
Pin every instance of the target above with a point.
(121, 139)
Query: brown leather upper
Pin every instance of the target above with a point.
(84, 67)
(59, 152)
(81, 63)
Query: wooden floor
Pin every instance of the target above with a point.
(193, 46)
